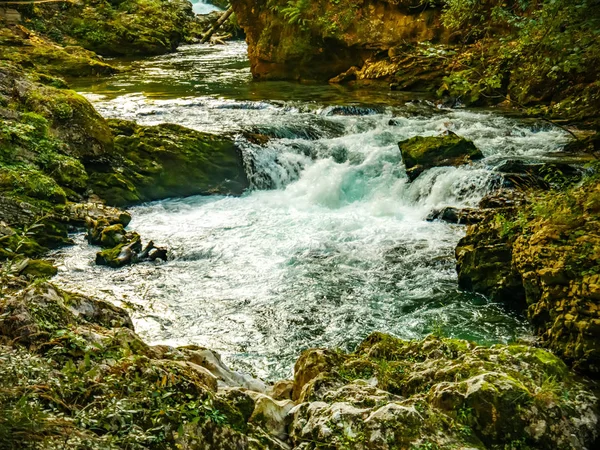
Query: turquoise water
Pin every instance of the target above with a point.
(330, 244)
(203, 7)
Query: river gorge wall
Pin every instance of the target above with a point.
(319, 40)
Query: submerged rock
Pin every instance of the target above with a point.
(130, 251)
(422, 153)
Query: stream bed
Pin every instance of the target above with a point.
(330, 244)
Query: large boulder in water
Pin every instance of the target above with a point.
(422, 153)
(157, 162)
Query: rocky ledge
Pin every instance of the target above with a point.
(540, 254)
(318, 40)
(88, 380)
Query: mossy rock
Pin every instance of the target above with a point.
(116, 28)
(39, 269)
(157, 162)
(451, 393)
(112, 235)
(422, 153)
(32, 51)
(120, 255)
(29, 182)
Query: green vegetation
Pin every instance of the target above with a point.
(118, 27)
(541, 54)
(66, 387)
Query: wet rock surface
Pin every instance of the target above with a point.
(422, 153)
(542, 257)
(147, 165)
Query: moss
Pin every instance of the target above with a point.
(128, 27)
(151, 161)
(68, 172)
(30, 182)
(28, 50)
(421, 153)
(112, 236)
(118, 256)
(40, 269)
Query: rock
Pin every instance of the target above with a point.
(272, 415)
(128, 251)
(77, 351)
(342, 34)
(64, 115)
(112, 235)
(422, 153)
(39, 269)
(522, 175)
(121, 255)
(30, 50)
(484, 265)
(540, 255)
(35, 313)
(120, 27)
(148, 161)
(461, 216)
(81, 214)
(310, 365)
(444, 393)
(281, 390)
(212, 361)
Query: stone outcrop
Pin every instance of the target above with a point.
(147, 165)
(117, 27)
(29, 49)
(543, 258)
(78, 359)
(422, 153)
(439, 393)
(321, 39)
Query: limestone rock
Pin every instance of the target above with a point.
(443, 393)
(544, 262)
(342, 34)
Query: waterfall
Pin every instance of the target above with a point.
(203, 7)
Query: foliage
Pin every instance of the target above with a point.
(130, 404)
(528, 51)
(127, 27)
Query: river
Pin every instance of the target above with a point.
(332, 241)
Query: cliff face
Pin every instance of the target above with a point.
(319, 40)
(544, 257)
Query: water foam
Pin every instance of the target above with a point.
(330, 244)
